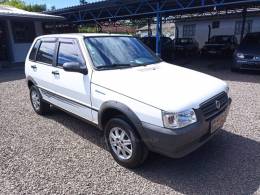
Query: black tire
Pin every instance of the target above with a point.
(139, 150)
(43, 107)
(235, 69)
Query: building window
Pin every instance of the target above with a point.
(215, 24)
(23, 32)
(189, 30)
(238, 27)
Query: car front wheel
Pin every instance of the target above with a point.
(124, 143)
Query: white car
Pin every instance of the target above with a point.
(116, 83)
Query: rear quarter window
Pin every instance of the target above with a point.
(32, 55)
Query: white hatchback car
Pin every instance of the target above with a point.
(115, 82)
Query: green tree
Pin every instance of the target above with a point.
(22, 5)
(83, 2)
(53, 7)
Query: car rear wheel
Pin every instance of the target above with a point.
(39, 106)
(124, 143)
(235, 68)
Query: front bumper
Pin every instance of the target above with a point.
(247, 64)
(179, 142)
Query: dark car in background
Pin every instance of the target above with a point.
(247, 55)
(224, 45)
(186, 46)
(166, 46)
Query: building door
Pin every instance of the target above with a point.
(3, 42)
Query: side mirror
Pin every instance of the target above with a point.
(75, 67)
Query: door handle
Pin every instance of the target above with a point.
(55, 72)
(33, 66)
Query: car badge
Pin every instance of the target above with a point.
(217, 104)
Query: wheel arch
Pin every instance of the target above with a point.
(111, 109)
(30, 82)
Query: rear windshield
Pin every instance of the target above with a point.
(220, 39)
(153, 39)
(252, 39)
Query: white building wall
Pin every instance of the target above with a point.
(20, 50)
(168, 30)
(226, 27)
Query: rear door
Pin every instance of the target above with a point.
(41, 61)
(71, 89)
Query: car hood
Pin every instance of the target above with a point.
(164, 86)
(215, 45)
(184, 45)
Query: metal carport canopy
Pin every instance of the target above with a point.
(137, 9)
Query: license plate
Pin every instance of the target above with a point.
(252, 63)
(219, 121)
(213, 52)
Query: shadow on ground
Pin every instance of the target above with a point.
(7, 75)
(228, 164)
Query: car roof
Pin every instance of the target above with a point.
(82, 35)
(223, 36)
(253, 33)
(153, 37)
(185, 38)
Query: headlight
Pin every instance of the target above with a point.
(179, 119)
(240, 55)
(256, 58)
(227, 90)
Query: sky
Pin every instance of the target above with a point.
(57, 3)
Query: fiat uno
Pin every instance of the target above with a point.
(119, 85)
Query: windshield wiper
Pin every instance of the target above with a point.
(114, 66)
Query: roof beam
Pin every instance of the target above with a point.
(127, 9)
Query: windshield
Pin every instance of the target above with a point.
(119, 52)
(220, 39)
(252, 39)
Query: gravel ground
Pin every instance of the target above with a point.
(60, 154)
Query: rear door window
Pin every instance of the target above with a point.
(46, 52)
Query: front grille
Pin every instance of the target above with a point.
(209, 108)
(249, 57)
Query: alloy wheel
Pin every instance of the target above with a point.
(36, 100)
(120, 143)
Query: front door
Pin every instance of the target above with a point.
(3, 42)
(72, 89)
